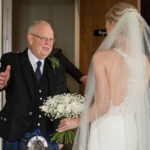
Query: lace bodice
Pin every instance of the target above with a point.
(128, 105)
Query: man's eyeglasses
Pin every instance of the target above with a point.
(44, 39)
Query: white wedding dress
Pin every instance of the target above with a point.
(109, 132)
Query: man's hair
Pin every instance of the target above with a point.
(35, 23)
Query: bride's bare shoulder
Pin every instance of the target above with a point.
(103, 55)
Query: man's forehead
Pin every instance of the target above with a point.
(43, 26)
(43, 29)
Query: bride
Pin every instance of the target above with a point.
(116, 114)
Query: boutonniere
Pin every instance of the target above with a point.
(54, 62)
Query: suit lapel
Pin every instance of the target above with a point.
(28, 74)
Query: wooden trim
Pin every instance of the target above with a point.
(77, 32)
(139, 5)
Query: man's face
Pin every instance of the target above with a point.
(41, 40)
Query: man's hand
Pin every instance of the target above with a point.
(83, 79)
(68, 124)
(4, 77)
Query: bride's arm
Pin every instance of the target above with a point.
(148, 67)
(101, 102)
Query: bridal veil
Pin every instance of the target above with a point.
(131, 36)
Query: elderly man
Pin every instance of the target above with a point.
(28, 78)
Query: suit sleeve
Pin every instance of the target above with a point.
(3, 65)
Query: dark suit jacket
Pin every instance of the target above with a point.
(24, 96)
(70, 68)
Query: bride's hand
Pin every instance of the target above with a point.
(60, 146)
(68, 124)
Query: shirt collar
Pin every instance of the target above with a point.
(33, 59)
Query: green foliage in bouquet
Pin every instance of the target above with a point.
(66, 137)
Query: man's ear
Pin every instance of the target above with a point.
(30, 38)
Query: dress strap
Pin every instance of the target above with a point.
(119, 51)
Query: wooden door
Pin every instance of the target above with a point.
(92, 16)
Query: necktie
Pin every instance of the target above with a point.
(38, 71)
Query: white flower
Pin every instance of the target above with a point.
(60, 108)
(66, 99)
(63, 106)
(80, 108)
(68, 109)
(44, 108)
(74, 106)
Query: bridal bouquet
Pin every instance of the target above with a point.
(63, 106)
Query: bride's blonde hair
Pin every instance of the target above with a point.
(115, 12)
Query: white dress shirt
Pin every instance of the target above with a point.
(33, 60)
